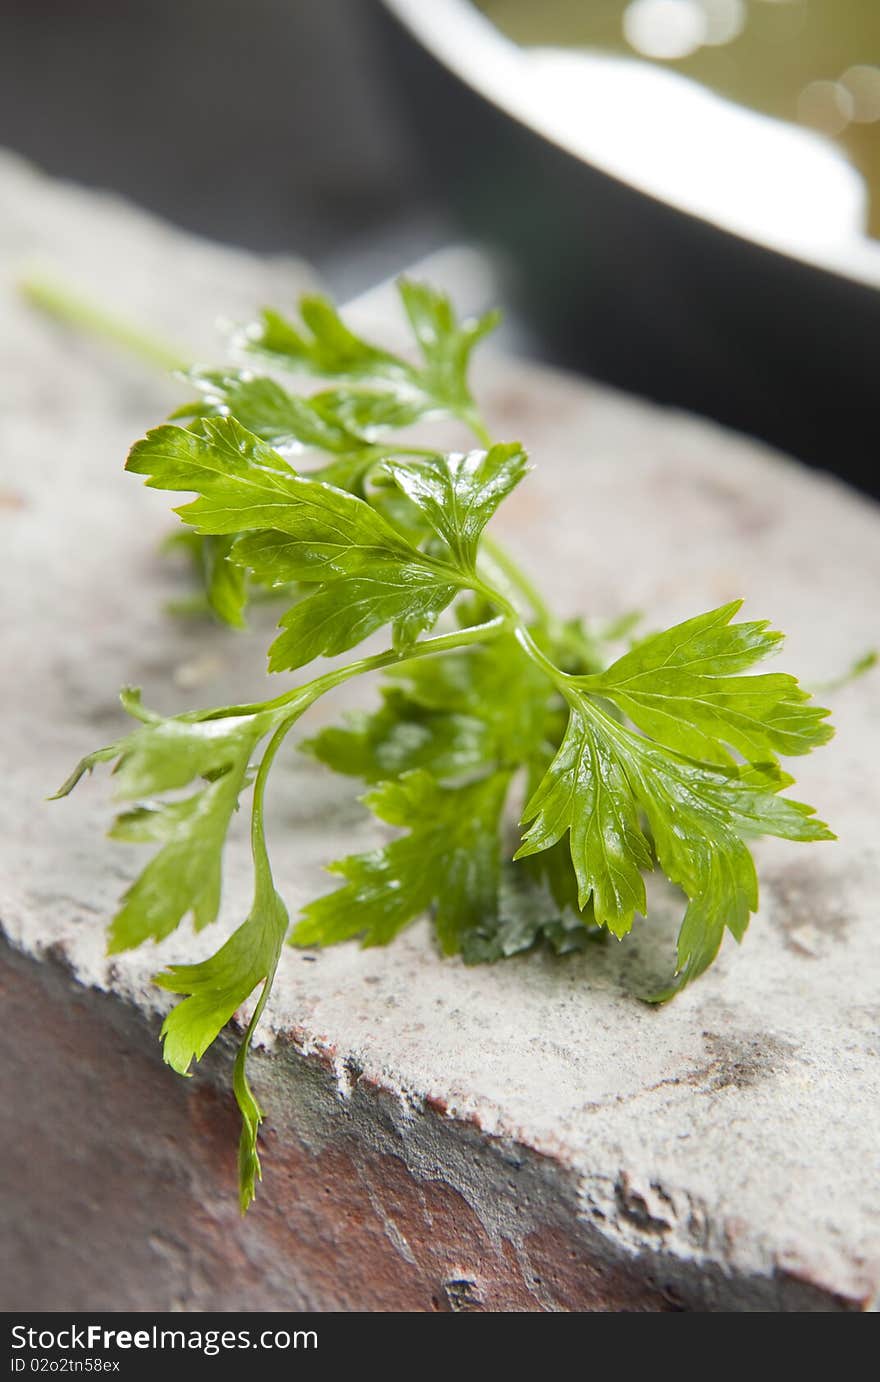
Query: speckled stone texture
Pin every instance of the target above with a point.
(521, 1137)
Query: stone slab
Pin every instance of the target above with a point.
(525, 1136)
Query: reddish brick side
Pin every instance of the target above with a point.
(127, 1197)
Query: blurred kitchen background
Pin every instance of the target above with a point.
(363, 135)
(263, 123)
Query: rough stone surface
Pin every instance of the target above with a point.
(525, 1136)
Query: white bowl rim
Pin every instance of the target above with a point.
(465, 41)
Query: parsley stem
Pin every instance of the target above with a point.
(471, 418)
(258, 837)
(540, 659)
(252, 1114)
(442, 643)
(65, 305)
(561, 680)
(301, 697)
(517, 577)
(300, 700)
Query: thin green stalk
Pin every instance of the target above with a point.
(472, 419)
(518, 579)
(559, 678)
(251, 1113)
(312, 690)
(441, 643)
(64, 305)
(258, 836)
(514, 622)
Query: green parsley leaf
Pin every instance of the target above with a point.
(458, 494)
(601, 783)
(264, 408)
(552, 869)
(384, 496)
(343, 612)
(449, 862)
(527, 916)
(161, 756)
(320, 533)
(299, 529)
(324, 346)
(185, 875)
(235, 473)
(165, 754)
(346, 423)
(245, 486)
(678, 687)
(446, 344)
(329, 423)
(341, 423)
(225, 583)
(225, 587)
(401, 736)
(585, 792)
(321, 344)
(369, 415)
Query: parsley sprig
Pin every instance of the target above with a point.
(668, 756)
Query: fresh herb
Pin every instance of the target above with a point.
(666, 757)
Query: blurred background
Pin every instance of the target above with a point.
(268, 124)
(682, 194)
